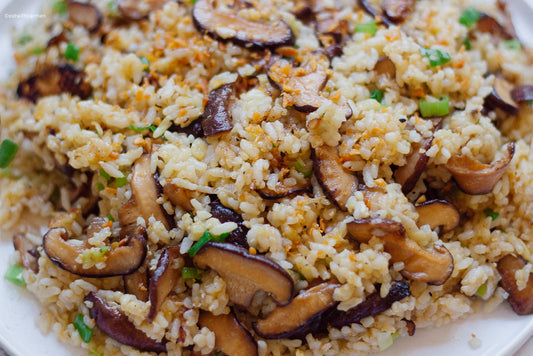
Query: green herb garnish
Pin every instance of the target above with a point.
(24, 39)
(512, 44)
(191, 272)
(112, 7)
(86, 333)
(60, 7)
(468, 45)
(8, 150)
(100, 186)
(146, 63)
(37, 50)
(376, 95)
(142, 128)
(300, 167)
(469, 17)
(14, 275)
(206, 237)
(110, 218)
(434, 108)
(480, 292)
(489, 212)
(72, 52)
(370, 28)
(121, 181)
(436, 56)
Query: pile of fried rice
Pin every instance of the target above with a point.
(267, 177)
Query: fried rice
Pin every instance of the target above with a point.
(267, 177)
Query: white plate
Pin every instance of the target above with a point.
(501, 332)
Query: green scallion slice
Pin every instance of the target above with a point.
(469, 17)
(8, 150)
(220, 238)
(191, 272)
(59, 7)
(146, 63)
(86, 333)
(480, 292)
(72, 52)
(513, 44)
(376, 95)
(434, 108)
(24, 39)
(206, 237)
(121, 181)
(489, 212)
(370, 28)
(436, 56)
(110, 218)
(300, 167)
(105, 175)
(112, 6)
(14, 275)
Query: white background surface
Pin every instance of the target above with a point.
(501, 332)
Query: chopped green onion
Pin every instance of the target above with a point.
(193, 1)
(370, 28)
(72, 52)
(469, 17)
(436, 56)
(86, 333)
(14, 275)
(206, 237)
(300, 167)
(37, 50)
(376, 95)
(146, 63)
(100, 186)
(480, 292)
(385, 340)
(121, 181)
(434, 108)
(110, 218)
(512, 44)
(112, 6)
(24, 39)
(221, 237)
(468, 45)
(8, 150)
(105, 175)
(60, 7)
(142, 128)
(489, 212)
(191, 272)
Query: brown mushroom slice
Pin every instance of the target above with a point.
(217, 116)
(137, 10)
(128, 214)
(371, 10)
(385, 66)
(178, 196)
(338, 183)
(145, 191)
(124, 259)
(438, 213)
(283, 191)
(408, 174)
(225, 214)
(230, 26)
(397, 10)
(28, 252)
(373, 305)
(245, 274)
(501, 98)
(110, 319)
(433, 267)
(474, 177)
(194, 128)
(488, 24)
(163, 279)
(54, 80)
(136, 283)
(301, 85)
(230, 336)
(522, 93)
(520, 300)
(84, 14)
(302, 316)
